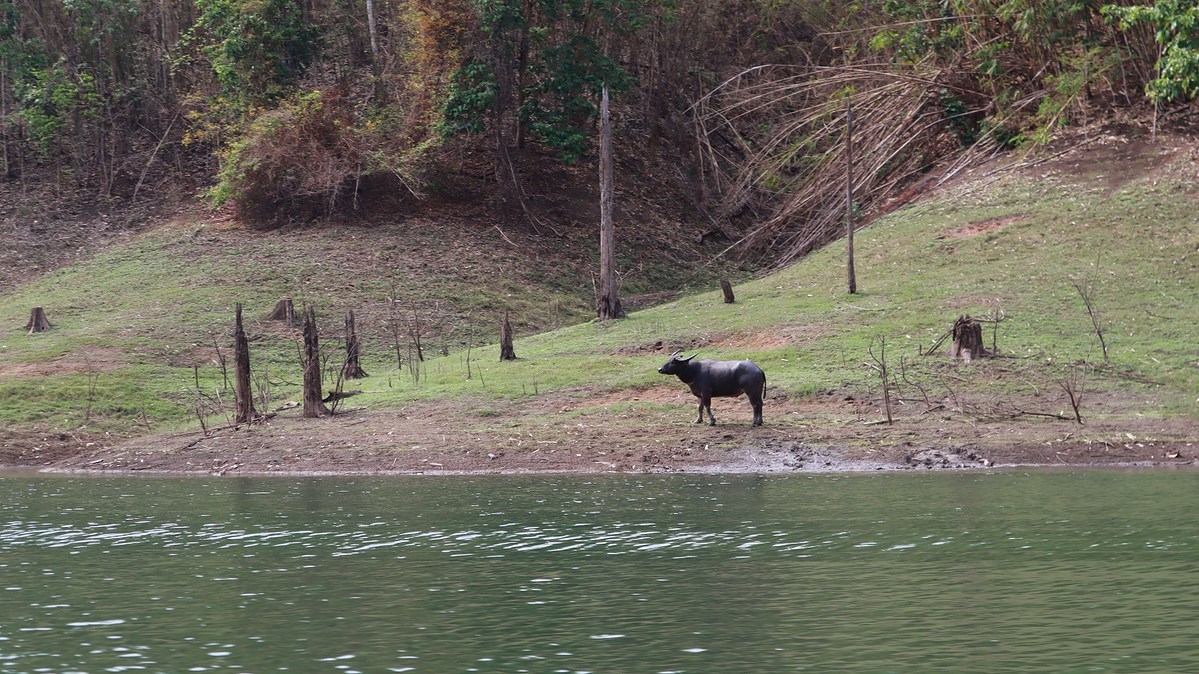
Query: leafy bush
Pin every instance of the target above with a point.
(1175, 25)
(308, 157)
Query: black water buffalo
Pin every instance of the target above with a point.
(719, 379)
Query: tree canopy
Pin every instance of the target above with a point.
(287, 107)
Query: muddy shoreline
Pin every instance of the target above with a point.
(802, 437)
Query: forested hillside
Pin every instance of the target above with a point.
(293, 110)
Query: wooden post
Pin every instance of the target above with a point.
(314, 406)
(507, 352)
(37, 321)
(853, 277)
(243, 395)
(352, 368)
(727, 289)
(284, 311)
(609, 299)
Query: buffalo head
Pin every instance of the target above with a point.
(675, 364)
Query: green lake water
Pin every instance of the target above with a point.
(1082, 571)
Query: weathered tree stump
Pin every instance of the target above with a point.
(37, 321)
(727, 289)
(507, 352)
(284, 311)
(243, 394)
(967, 340)
(352, 369)
(314, 406)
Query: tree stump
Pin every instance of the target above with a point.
(727, 289)
(37, 321)
(314, 405)
(967, 340)
(284, 311)
(507, 352)
(352, 369)
(243, 394)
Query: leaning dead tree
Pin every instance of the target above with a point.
(284, 310)
(314, 405)
(352, 369)
(243, 394)
(967, 340)
(507, 351)
(608, 305)
(37, 321)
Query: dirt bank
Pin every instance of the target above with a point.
(647, 431)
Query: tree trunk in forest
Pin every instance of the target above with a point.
(522, 66)
(376, 69)
(727, 289)
(244, 396)
(507, 352)
(314, 406)
(352, 369)
(5, 166)
(967, 340)
(37, 321)
(853, 277)
(609, 299)
(284, 310)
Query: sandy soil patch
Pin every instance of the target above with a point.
(84, 359)
(984, 226)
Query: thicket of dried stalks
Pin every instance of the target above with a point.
(783, 128)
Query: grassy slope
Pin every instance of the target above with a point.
(145, 311)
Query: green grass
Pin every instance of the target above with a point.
(154, 306)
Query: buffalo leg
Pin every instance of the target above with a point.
(706, 404)
(700, 418)
(756, 402)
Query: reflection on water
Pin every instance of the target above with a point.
(1004, 572)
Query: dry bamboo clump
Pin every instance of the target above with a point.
(792, 177)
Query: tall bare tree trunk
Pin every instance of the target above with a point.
(609, 299)
(241, 363)
(314, 406)
(5, 168)
(376, 68)
(371, 26)
(853, 277)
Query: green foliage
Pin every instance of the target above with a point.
(102, 22)
(1175, 25)
(1065, 91)
(257, 48)
(551, 50)
(51, 97)
(958, 117)
(472, 93)
(568, 77)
